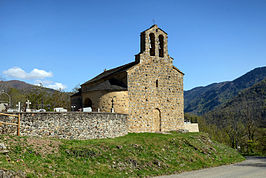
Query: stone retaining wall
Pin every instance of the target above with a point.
(11, 174)
(69, 125)
(192, 127)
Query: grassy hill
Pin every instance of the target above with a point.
(204, 99)
(134, 155)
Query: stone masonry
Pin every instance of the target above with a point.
(69, 125)
(155, 88)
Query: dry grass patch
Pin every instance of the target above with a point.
(44, 146)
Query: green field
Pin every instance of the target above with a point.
(134, 155)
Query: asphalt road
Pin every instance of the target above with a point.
(252, 167)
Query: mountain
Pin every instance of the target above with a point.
(204, 99)
(20, 85)
(249, 104)
(241, 121)
(40, 97)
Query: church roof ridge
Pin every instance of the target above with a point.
(178, 70)
(110, 72)
(155, 25)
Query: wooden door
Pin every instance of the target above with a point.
(157, 120)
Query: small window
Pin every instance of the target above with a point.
(161, 46)
(157, 83)
(152, 44)
(142, 44)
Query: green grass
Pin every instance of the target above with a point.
(134, 155)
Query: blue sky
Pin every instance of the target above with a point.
(63, 43)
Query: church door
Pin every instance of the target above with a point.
(88, 102)
(157, 120)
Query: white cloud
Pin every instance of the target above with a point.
(17, 72)
(37, 74)
(57, 86)
(50, 84)
(42, 82)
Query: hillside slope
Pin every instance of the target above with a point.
(20, 85)
(249, 104)
(203, 99)
(134, 155)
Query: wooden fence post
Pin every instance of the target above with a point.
(18, 131)
(17, 124)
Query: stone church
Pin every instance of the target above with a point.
(149, 90)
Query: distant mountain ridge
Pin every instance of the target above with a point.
(40, 97)
(248, 104)
(203, 99)
(20, 85)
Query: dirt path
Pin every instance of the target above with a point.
(253, 167)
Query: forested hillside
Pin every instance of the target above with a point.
(20, 85)
(241, 120)
(204, 99)
(246, 106)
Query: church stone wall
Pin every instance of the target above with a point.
(120, 102)
(105, 100)
(155, 92)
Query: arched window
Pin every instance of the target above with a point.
(157, 83)
(152, 44)
(161, 46)
(142, 42)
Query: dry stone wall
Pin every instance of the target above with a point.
(11, 174)
(70, 125)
